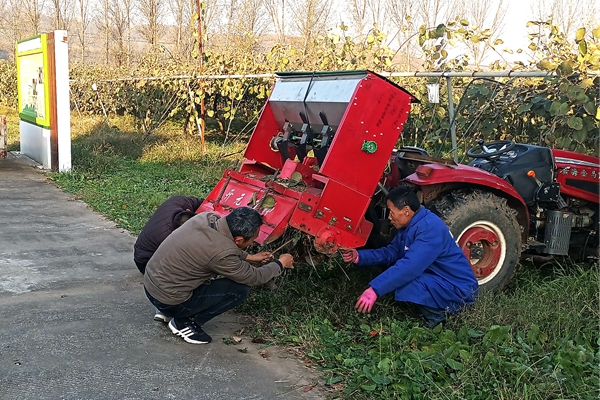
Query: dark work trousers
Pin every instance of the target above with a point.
(434, 316)
(140, 266)
(207, 301)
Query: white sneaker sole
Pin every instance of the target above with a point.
(185, 333)
(162, 318)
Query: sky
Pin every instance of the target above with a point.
(515, 30)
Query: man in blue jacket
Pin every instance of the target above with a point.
(427, 267)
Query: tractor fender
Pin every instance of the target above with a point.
(435, 180)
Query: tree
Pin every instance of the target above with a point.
(369, 18)
(4, 10)
(568, 15)
(181, 12)
(12, 20)
(252, 18)
(409, 16)
(103, 25)
(209, 15)
(359, 17)
(401, 14)
(33, 10)
(84, 21)
(245, 20)
(127, 7)
(118, 29)
(115, 25)
(62, 13)
(152, 13)
(434, 12)
(249, 23)
(377, 10)
(488, 16)
(231, 7)
(276, 11)
(564, 18)
(310, 19)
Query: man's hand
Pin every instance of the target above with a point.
(287, 261)
(349, 255)
(366, 300)
(261, 257)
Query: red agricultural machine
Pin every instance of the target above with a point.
(322, 156)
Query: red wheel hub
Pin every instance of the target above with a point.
(482, 248)
(327, 241)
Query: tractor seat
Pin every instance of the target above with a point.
(514, 165)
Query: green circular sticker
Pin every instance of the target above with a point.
(369, 146)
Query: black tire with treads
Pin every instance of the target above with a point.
(478, 214)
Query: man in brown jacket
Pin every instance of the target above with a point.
(179, 276)
(169, 216)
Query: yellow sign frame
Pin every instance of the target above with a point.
(33, 80)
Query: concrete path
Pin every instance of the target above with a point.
(76, 324)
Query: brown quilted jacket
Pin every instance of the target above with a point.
(196, 252)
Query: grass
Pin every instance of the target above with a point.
(510, 345)
(539, 339)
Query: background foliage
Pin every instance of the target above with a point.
(561, 110)
(8, 84)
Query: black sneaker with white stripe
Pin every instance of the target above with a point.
(190, 332)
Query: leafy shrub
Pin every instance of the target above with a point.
(558, 111)
(8, 84)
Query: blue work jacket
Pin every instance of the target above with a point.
(426, 266)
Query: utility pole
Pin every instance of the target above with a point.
(200, 120)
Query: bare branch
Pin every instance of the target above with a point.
(152, 13)
(83, 24)
(276, 10)
(310, 18)
(568, 15)
(484, 14)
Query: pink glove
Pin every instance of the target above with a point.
(349, 255)
(366, 300)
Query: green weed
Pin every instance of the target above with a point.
(513, 345)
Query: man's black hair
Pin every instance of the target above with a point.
(403, 196)
(181, 217)
(244, 222)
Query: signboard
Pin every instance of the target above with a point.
(44, 106)
(33, 89)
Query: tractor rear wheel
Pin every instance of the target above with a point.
(487, 231)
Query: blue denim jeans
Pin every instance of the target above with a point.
(207, 301)
(434, 316)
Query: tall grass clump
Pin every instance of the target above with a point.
(126, 174)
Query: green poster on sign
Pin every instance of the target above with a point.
(33, 88)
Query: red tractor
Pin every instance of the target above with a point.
(319, 161)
